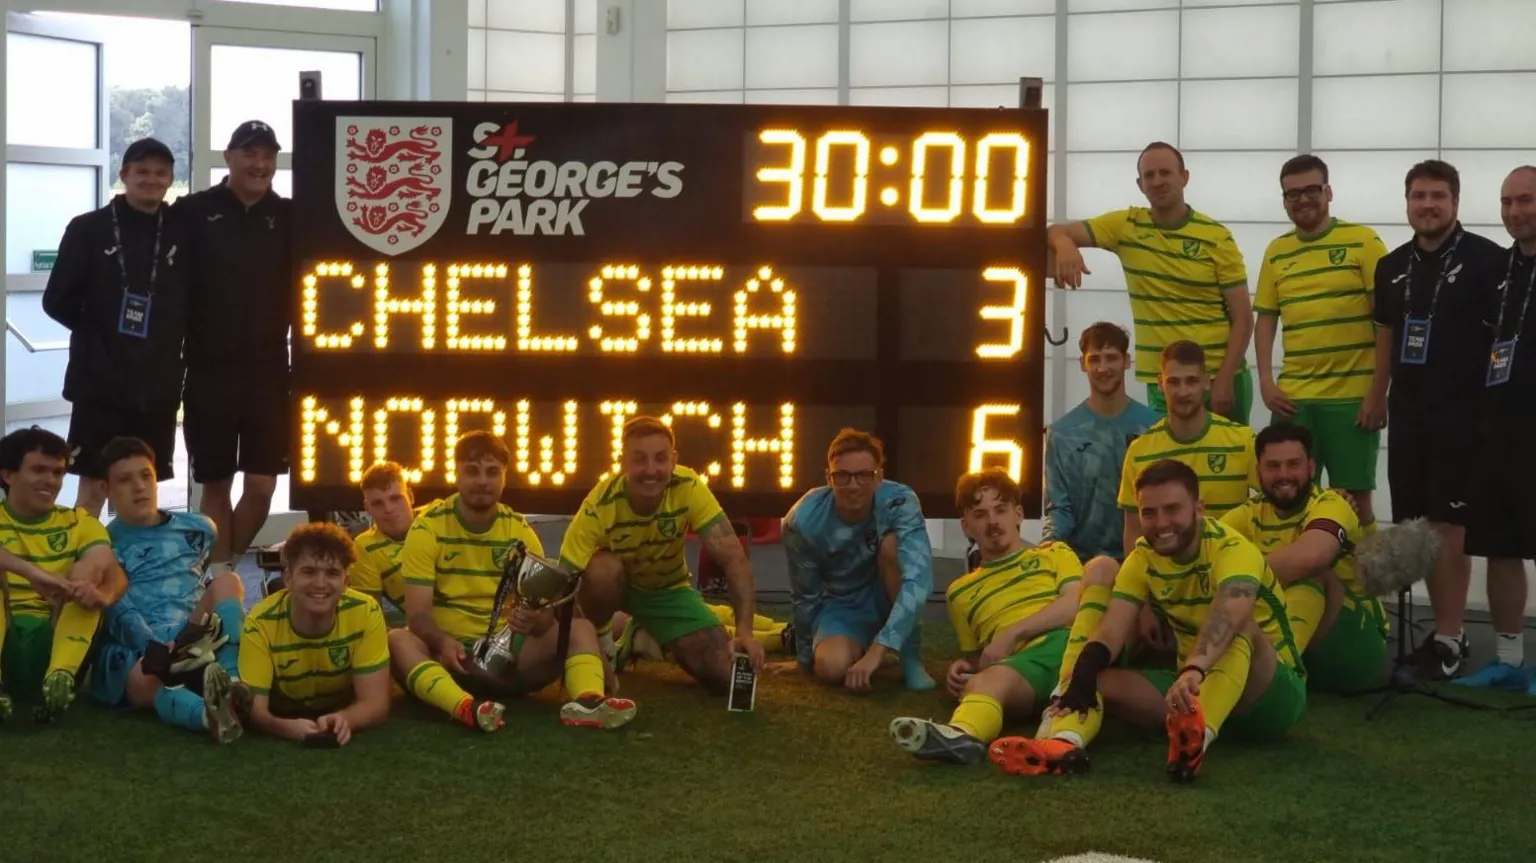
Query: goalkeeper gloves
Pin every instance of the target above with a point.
(1083, 692)
(196, 644)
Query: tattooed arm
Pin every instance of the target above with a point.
(721, 543)
(1230, 612)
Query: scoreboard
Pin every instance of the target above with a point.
(758, 277)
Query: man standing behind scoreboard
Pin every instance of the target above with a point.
(860, 569)
(236, 399)
(628, 538)
(1183, 273)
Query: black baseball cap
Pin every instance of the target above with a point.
(147, 148)
(253, 133)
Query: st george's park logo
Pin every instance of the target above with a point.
(393, 179)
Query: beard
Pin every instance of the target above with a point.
(1286, 501)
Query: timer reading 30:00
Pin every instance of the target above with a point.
(934, 178)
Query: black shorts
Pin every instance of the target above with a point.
(92, 424)
(1427, 465)
(236, 420)
(1503, 511)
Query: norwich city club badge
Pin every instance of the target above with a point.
(499, 556)
(340, 656)
(1191, 249)
(57, 540)
(667, 527)
(1217, 462)
(1336, 256)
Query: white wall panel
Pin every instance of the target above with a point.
(1490, 34)
(1118, 5)
(1220, 43)
(475, 59)
(1481, 110)
(1234, 186)
(897, 10)
(586, 16)
(1253, 239)
(975, 8)
(1385, 111)
(516, 96)
(792, 57)
(1122, 116)
(1098, 182)
(732, 97)
(999, 95)
(1387, 36)
(477, 13)
(1238, 115)
(792, 97)
(1482, 173)
(1131, 47)
(531, 62)
(545, 16)
(583, 64)
(704, 59)
(998, 50)
(912, 53)
(704, 13)
(917, 97)
(760, 12)
(1368, 186)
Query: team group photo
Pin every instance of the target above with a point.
(850, 578)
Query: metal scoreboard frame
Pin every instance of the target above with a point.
(757, 276)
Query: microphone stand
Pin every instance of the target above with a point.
(1402, 680)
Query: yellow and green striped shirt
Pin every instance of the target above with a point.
(1222, 456)
(996, 595)
(52, 541)
(376, 571)
(650, 545)
(1322, 290)
(462, 567)
(311, 675)
(1181, 593)
(1175, 278)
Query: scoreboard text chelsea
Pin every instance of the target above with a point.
(756, 276)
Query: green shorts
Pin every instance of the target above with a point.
(1353, 653)
(1343, 450)
(1272, 717)
(668, 614)
(1242, 394)
(24, 658)
(1040, 663)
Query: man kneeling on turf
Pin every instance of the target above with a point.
(1236, 656)
(1014, 608)
(860, 569)
(387, 500)
(315, 654)
(1308, 537)
(452, 562)
(61, 574)
(150, 656)
(629, 537)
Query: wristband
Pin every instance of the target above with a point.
(1193, 668)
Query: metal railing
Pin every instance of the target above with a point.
(35, 347)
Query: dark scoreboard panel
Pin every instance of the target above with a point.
(757, 276)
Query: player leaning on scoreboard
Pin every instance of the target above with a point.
(1184, 275)
(1316, 285)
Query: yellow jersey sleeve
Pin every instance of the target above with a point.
(1231, 272)
(1252, 443)
(255, 660)
(1108, 229)
(1240, 520)
(363, 575)
(959, 618)
(1068, 567)
(1236, 561)
(372, 653)
(1334, 508)
(583, 537)
(1371, 253)
(703, 509)
(1266, 298)
(89, 533)
(1127, 499)
(418, 560)
(1131, 582)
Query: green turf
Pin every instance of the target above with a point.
(810, 776)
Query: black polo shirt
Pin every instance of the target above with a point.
(242, 299)
(1515, 398)
(1459, 339)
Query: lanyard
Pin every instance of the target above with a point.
(122, 260)
(1434, 298)
(1530, 284)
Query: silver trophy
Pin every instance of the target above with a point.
(534, 583)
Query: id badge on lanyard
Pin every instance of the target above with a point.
(134, 318)
(1416, 340)
(1501, 361)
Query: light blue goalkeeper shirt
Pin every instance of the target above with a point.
(1083, 456)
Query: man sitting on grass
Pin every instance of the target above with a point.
(1236, 657)
(1015, 609)
(150, 656)
(47, 623)
(315, 654)
(387, 500)
(1308, 537)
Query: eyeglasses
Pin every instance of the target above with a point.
(1311, 192)
(844, 478)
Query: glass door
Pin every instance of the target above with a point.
(240, 75)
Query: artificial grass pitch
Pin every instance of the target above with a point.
(812, 775)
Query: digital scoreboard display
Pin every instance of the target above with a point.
(756, 276)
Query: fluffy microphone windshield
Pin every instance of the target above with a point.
(1394, 559)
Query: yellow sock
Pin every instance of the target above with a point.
(1367, 529)
(583, 675)
(980, 716)
(5, 620)
(1085, 625)
(1305, 604)
(432, 683)
(1224, 685)
(72, 634)
(1078, 730)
